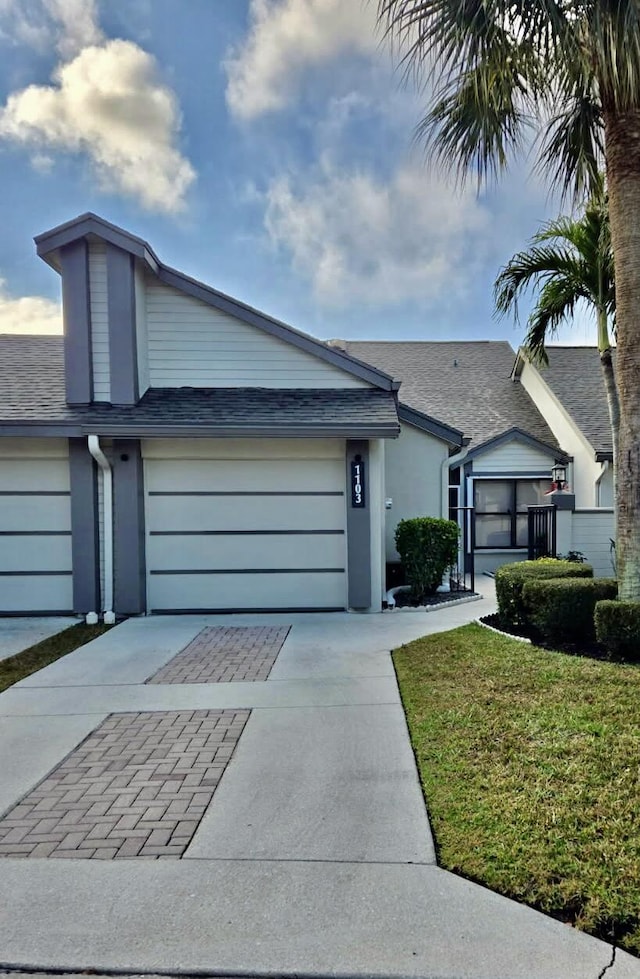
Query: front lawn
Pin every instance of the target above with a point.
(530, 763)
(35, 658)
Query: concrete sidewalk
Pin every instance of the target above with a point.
(314, 857)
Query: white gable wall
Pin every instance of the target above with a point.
(513, 457)
(191, 344)
(99, 321)
(585, 469)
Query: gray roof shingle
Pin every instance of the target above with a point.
(32, 390)
(574, 375)
(466, 384)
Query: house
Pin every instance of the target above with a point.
(509, 447)
(181, 451)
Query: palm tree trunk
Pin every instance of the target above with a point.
(611, 387)
(622, 141)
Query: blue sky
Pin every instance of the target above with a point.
(263, 146)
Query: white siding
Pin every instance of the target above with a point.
(193, 345)
(35, 526)
(142, 344)
(99, 321)
(262, 508)
(512, 458)
(413, 464)
(584, 469)
(592, 532)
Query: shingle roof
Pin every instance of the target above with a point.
(32, 390)
(574, 375)
(466, 384)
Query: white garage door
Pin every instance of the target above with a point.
(35, 532)
(245, 533)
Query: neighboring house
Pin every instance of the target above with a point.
(180, 451)
(570, 394)
(510, 449)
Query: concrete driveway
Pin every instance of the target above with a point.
(236, 825)
(19, 633)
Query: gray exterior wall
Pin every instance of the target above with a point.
(359, 532)
(129, 590)
(84, 528)
(77, 325)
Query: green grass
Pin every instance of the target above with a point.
(530, 763)
(36, 657)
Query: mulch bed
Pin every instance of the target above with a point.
(404, 599)
(588, 648)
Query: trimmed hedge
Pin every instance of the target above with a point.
(618, 627)
(511, 578)
(428, 546)
(563, 608)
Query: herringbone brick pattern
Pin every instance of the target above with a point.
(222, 654)
(136, 787)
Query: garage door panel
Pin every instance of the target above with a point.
(246, 512)
(36, 593)
(236, 476)
(35, 553)
(249, 591)
(34, 474)
(35, 513)
(235, 552)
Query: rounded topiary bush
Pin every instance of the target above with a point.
(618, 627)
(511, 578)
(428, 546)
(563, 608)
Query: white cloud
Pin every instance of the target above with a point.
(28, 314)
(67, 25)
(109, 103)
(286, 38)
(357, 238)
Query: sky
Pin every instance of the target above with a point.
(265, 147)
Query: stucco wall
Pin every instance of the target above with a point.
(592, 531)
(413, 467)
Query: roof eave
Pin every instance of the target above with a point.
(522, 436)
(442, 431)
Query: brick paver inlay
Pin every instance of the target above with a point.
(137, 786)
(222, 654)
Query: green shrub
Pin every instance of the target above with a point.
(618, 627)
(428, 546)
(510, 580)
(562, 608)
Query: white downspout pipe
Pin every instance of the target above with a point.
(605, 467)
(107, 485)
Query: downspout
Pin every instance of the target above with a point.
(107, 485)
(449, 463)
(605, 467)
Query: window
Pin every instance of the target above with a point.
(501, 509)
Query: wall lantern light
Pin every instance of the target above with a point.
(559, 476)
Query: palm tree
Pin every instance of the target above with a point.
(568, 72)
(569, 259)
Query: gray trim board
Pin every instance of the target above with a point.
(517, 434)
(511, 474)
(85, 548)
(18, 492)
(86, 225)
(197, 571)
(245, 493)
(452, 436)
(35, 574)
(604, 456)
(129, 592)
(241, 533)
(39, 429)
(35, 533)
(123, 357)
(358, 532)
(240, 611)
(74, 267)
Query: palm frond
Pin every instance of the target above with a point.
(556, 303)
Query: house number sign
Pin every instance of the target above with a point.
(357, 483)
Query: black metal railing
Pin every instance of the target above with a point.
(541, 540)
(462, 575)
